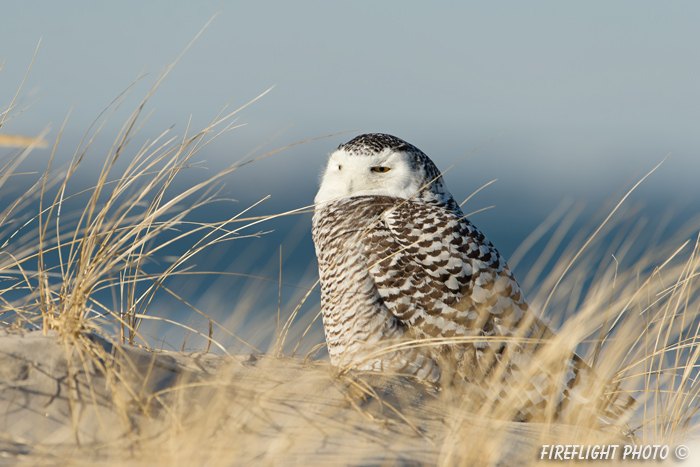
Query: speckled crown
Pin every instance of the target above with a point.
(373, 143)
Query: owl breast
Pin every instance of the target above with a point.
(361, 331)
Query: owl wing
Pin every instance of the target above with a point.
(441, 277)
(438, 273)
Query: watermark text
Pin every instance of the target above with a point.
(566, 452)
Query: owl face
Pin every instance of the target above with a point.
(385, 173)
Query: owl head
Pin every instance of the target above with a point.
(377, 164)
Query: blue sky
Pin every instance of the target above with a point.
(581, 87)
(586, 96)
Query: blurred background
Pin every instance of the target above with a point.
(577, 101)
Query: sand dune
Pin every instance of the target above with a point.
(85, 400)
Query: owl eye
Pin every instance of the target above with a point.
(380, 170)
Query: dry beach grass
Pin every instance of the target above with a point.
(81, 385)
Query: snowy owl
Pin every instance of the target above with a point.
(410, 286)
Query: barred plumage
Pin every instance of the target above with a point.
(400, 263)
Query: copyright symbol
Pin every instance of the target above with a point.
(682, 452)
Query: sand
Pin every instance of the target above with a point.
(88, 401)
